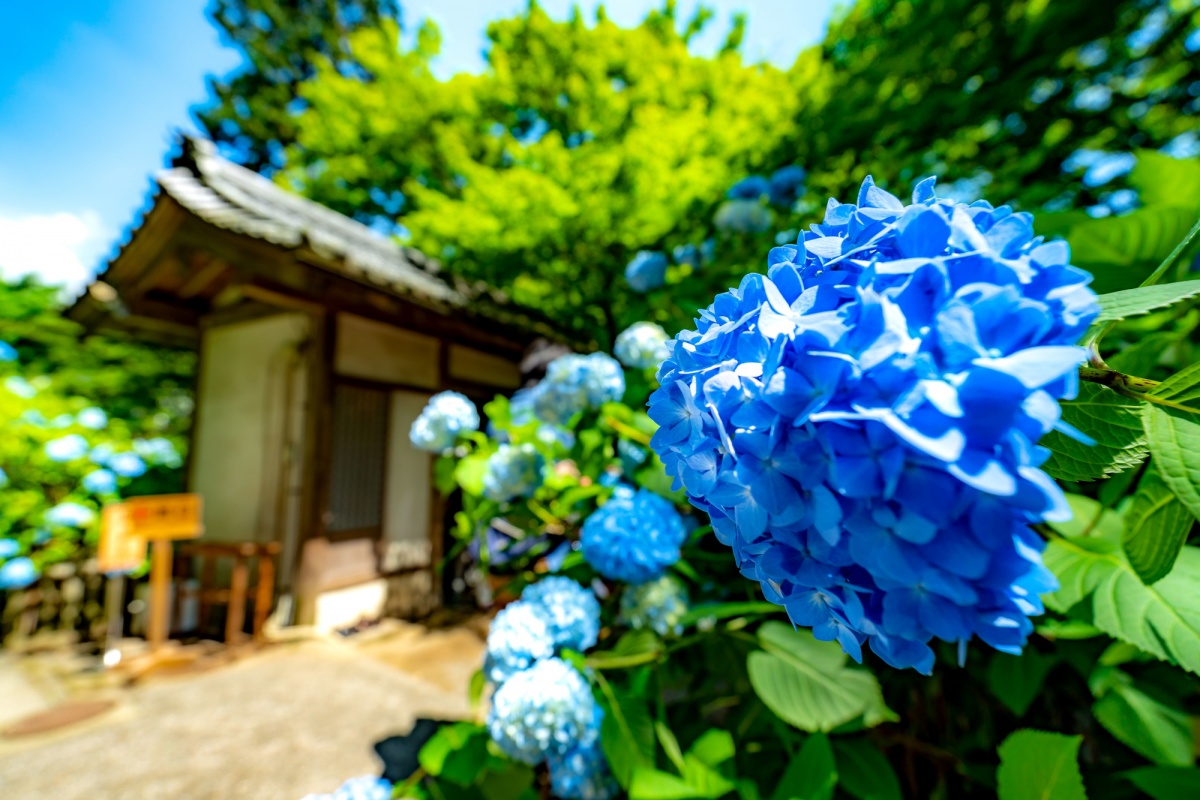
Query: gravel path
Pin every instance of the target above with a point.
(295, 719)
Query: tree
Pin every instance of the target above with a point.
(253, 106)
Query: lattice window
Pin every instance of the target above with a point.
(360, 418)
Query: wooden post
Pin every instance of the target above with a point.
(160, 592)
(114, 599)
(263, 592)
(239, 582)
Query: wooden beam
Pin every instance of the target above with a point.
(202, 275)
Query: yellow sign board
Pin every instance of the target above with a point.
(166, 516)
(120, 550)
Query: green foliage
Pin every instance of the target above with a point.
(1156, 731)
(1117, 306)
(812, 774)
(1156, 527)
(1166, 783)
(863, 772)
(1113, 422)
(1035, 765)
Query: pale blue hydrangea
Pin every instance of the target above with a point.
(657, 605)
(519, 636)
(70, 515)
(643, 345)
(571, 612)
(543, 712)
(751, 187)
(100, 481)
(3, 478)
(7, 351)
(443, 420)
(582, 773)
(92, 418)
(66, 448)
(127, 464)
(9, 548)
(366, 787)
(575, 383)
(742, 216)
(634, 537)
(101, 453)
(513, 471)
(647, 270)
(158, 450)
(22, 388)
(1185, 145)
(17, 573)
(861, 423)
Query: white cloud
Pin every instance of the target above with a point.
(60, 248)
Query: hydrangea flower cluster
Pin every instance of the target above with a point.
(582, 774)
(552, 614)
(643, 345)
(742, 216)
(543, 712)
(365, 787)
(658, 605)
(573, 383)
(634, 537)
(786, 185)
(17, 573)
(646, 270)
(514, 470)
(861, 422)
(518, 638)
(444, 418)
(70, 515)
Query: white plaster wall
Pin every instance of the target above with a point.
(407, 492)
(245, 435)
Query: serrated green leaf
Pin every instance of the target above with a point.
(1156, 527)
(1016, 680)
(807, 683)
(1113, 421)
(1144, 299)
(1146, 726)
(812, 774)
(1035, 765)
(1174, 436)
(1121, 252)
(1166, 783)
(1163, 619)
(864, 772)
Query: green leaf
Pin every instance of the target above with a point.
(704, 780)
(626, 734)
(1166, 783)
(670, 745)
(864, 772)
(633, 649)
(718, 611)
(1113, 421)
(653, 784)
(1174, 436)
(1163, 180)
(1016, 680)
(1163, 619)
(807, 683)
(1144, 299)
(1068, 630)
(1035, 765)
(456, 753)
(1146, 726)
(812, 774)
(476, 687)
(509, 783)
(1156, 528)
(443, 474)
(714, 747)
(470, 471)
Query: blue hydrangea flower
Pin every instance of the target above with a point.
(571, 612)
(3, 478)
(574, 383)
(9, 548)
(158, 450)
(100, 481)
(17, 573)
(861, 423)
(543, 712)
(658, 605)
(582, 773)
(632, 456)
(127, 465)
(92, 418)
(751, 187)
(366, 787)
(513, 471)
(66, 448)
(447, 415)
(518, 637)
(742, 216)
(634, 537)
(646, 270)
(70, 515)
(643, 345)
(17, 385)
(786, 185)
(7, 351)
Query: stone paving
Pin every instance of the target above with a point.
(293, 719)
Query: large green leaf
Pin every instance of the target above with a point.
(1166, 783)
(1163, 180)
(812, 774)
(1016, 680)
(654, 784)
(626, 734)
(864, 772)
(1156, 527)
(1035, 765)
(1113, 421)
(807, 683)
(1144, 299)
(457, 753)
(1146, 726)
(1173, 436)
(1163, 619)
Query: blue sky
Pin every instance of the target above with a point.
(91, 92)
